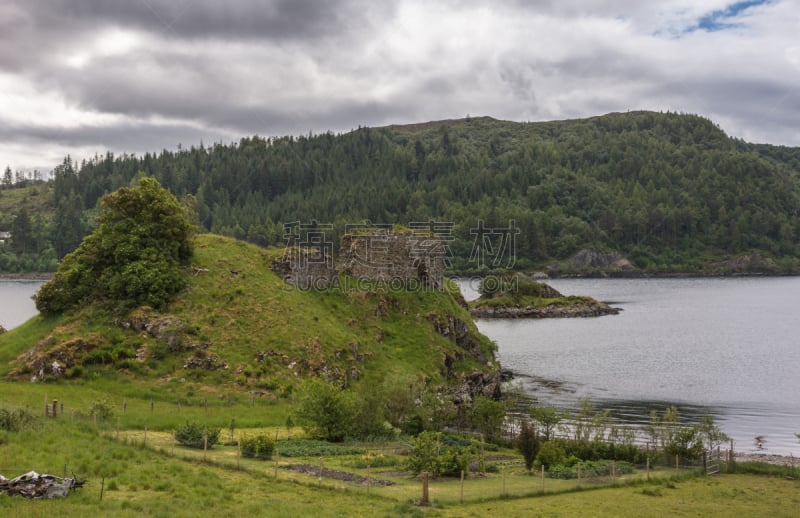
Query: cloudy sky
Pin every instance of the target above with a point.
(86, 76)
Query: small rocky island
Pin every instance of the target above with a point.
(519, 296)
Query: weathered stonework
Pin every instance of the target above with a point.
(409, 260)
(399, 260)
(306, 268)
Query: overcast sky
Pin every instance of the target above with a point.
(87, 76)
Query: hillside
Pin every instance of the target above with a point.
(238, 326)
(668, 192)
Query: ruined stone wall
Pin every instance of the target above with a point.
(401, 260)
(307, 269)
(411, 260)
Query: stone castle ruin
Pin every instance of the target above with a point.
(398, 260)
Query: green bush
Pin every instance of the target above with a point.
(193, 435)
(257, 446)
(17, 420)
(550, 454)
(528, 444)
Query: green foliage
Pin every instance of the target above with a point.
(325, 411)
(312, 448)
(550, 454)
(547, 419)
(133, 258)
(670, 192)
(528, 444)
(488, 416)
(17, 420)
(676, 439)
(258, 446)
(102, 409)
(195, 435)
(589, 469)
(440, 455)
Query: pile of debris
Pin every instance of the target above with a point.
(34, 485)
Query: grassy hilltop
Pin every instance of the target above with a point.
(237, 325)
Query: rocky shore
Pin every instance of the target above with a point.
(590, 309)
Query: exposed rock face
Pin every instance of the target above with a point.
(744, 264)
(457, 331)
(44, 359)
(591, 309)
(2, 329)
(478, 383)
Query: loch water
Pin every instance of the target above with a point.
(728, 347)
(16, 304)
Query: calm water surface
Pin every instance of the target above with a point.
(724, 346)
(16, 305)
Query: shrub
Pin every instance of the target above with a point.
(193, 435)
(16, 420)
(102, 409)
(257, 446)
(550, 454)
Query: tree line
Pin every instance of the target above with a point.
(669, 191)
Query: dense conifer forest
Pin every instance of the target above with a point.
(671, 192)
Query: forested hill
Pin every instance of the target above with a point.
(670, 192)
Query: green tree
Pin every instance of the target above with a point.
(528, 444)
(548, 418)
(133, 258)
(22, 238)
(488, 417)
(325, 411)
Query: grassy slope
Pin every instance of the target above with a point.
(241, 314)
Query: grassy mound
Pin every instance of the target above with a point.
(237, 324)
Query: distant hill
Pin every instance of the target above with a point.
(667, 192)
(239, 325)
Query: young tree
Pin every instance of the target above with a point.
(22, 238)
(488, 417)
(528, 443)
(325, 411)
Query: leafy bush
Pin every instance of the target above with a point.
(257, 446)
(193, 435)
(550, 454)
(102, 409)
(325, 411)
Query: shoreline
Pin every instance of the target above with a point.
(26, 276)
(767, 458)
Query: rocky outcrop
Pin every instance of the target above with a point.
(457, 331)
(306, 268)
(589, 309)
(478, 383)
(45, 359)
(592, 260)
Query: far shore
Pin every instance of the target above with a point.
(26, 276)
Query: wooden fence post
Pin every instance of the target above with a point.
(677, 466)
(320, 472)
(205, 446)
(648, 467)
(461, 500)
(425, 496)
(579, 473)
(504, 481)
(542, 478)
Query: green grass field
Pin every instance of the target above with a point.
(149, 473)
